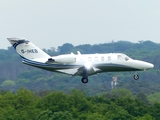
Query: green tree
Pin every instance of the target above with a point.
(49, 115)
(145, 117)
(65, 48)
(117, 113)
(8, 83)
(142, 97)
(155, 111)
(25, 104)
(122, 92)
(154, 97)
(95, 116)
(55, 101)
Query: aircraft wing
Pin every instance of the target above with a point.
(79, 71)
(68, 71)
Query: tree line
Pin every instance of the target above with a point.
(118, 104)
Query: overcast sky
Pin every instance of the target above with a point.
(51, 23)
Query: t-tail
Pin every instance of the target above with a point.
(26, 49)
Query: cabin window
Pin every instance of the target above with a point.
(89, 59)
(109, 58)
(95, 58)
(119, 57)
(102, 58)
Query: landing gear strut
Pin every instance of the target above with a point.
(85, 76)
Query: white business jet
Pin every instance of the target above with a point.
(77, 65)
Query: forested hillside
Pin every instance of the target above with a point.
(119, 104)
(14, 74)
(30, 93)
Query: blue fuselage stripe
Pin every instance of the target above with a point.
(40, 64)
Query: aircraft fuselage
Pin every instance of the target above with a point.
(77, 64)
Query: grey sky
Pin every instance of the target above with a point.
(51, 23)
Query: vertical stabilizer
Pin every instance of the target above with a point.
(27, 49)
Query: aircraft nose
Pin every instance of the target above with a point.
(143, 65)
(151, 65)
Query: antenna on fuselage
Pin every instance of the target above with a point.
(78, 53)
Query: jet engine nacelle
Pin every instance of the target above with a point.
(63, 59)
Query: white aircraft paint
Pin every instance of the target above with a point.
(77, 64)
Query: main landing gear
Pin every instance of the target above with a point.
(84, 80)
(85, 76)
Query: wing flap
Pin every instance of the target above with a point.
(68, 71)
(79, 71)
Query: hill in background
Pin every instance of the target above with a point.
(15, 75)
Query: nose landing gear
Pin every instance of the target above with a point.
(136, 77)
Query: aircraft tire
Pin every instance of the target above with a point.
(84, 80)
(136, 77)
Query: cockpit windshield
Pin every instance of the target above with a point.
(122, 57)
(126, 57)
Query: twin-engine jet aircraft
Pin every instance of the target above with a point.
(77, 64)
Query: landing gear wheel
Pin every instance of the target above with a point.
(136, 77)
(84, 80)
